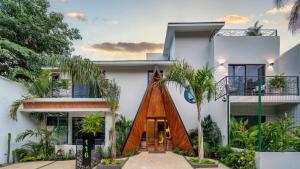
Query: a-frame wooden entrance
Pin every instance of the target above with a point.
(158, 120)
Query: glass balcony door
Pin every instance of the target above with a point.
(243, 79)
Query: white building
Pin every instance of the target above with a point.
(239, 62)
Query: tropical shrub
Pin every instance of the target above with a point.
(211, 136)
(44, 146)
(277, 82)
(21, 153)
(240, 160)
(182, 152)
(92, 123)
(122, 130)
(240, 136)
(32, 158)
(223, 152)
(281, 135)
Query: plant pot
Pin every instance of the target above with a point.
(143, 144)
(277, 91)
(112, 166)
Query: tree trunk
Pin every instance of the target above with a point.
(200, 136)
(113, 151)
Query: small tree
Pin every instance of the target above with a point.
(201, 85)
(112, 97)
(92, 123)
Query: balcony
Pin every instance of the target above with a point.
(248, 86)
(243, 32)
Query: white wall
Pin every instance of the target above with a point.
(9, 92)
(133, 83)
(193, 47)
(277, 160)
(288, 63)
(245, 50)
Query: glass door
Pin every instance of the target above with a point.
(150, 134)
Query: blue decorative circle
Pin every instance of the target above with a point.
(189, 97)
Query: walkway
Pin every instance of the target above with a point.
(166, 160)
(70, 164)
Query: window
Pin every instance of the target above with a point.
(76, 131)
(244, 78)
(60, 125)
(150, 75)
(82, 91)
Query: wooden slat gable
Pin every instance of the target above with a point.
(157, 103)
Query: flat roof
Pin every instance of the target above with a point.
(188, 27)
(133, 62)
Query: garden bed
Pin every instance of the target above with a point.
(117, 164)
(206, 163)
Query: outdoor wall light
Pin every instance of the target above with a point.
(271, 64)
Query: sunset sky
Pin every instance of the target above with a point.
(127, 29)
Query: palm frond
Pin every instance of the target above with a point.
(179, 74)
(25, 134)
(294, 23)
(280, 3)
(111, 95)
(15, 106)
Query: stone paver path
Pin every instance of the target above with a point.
(166, 160)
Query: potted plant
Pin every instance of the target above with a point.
(277, 84)
(143, 140)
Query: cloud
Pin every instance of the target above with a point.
(128, 48)
(105, 20)
(76, 15)
(235, 19)
(282, 10)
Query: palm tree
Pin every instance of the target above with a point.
(80, 70)
(201, 85)
(112, 97)
(294, 22)
(255, 30)
(37, 86)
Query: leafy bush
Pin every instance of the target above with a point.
(240, 136)
(197, 161)
(33, 158)
(211, 135)
(122, 130)
(92, 123)
(280, 135)
(240, 160)
(182, 152)
(21, 153)
(223, 152)
(104, 153)
(110, 162)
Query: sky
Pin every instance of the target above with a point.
(128, 29)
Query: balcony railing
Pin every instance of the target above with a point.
(243, 32)
(248, 86)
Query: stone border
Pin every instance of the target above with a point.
(120, 166)
(201, 165)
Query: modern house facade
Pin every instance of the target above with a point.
(239, 61)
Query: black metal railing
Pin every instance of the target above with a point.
(243, 32)
(248, 85)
